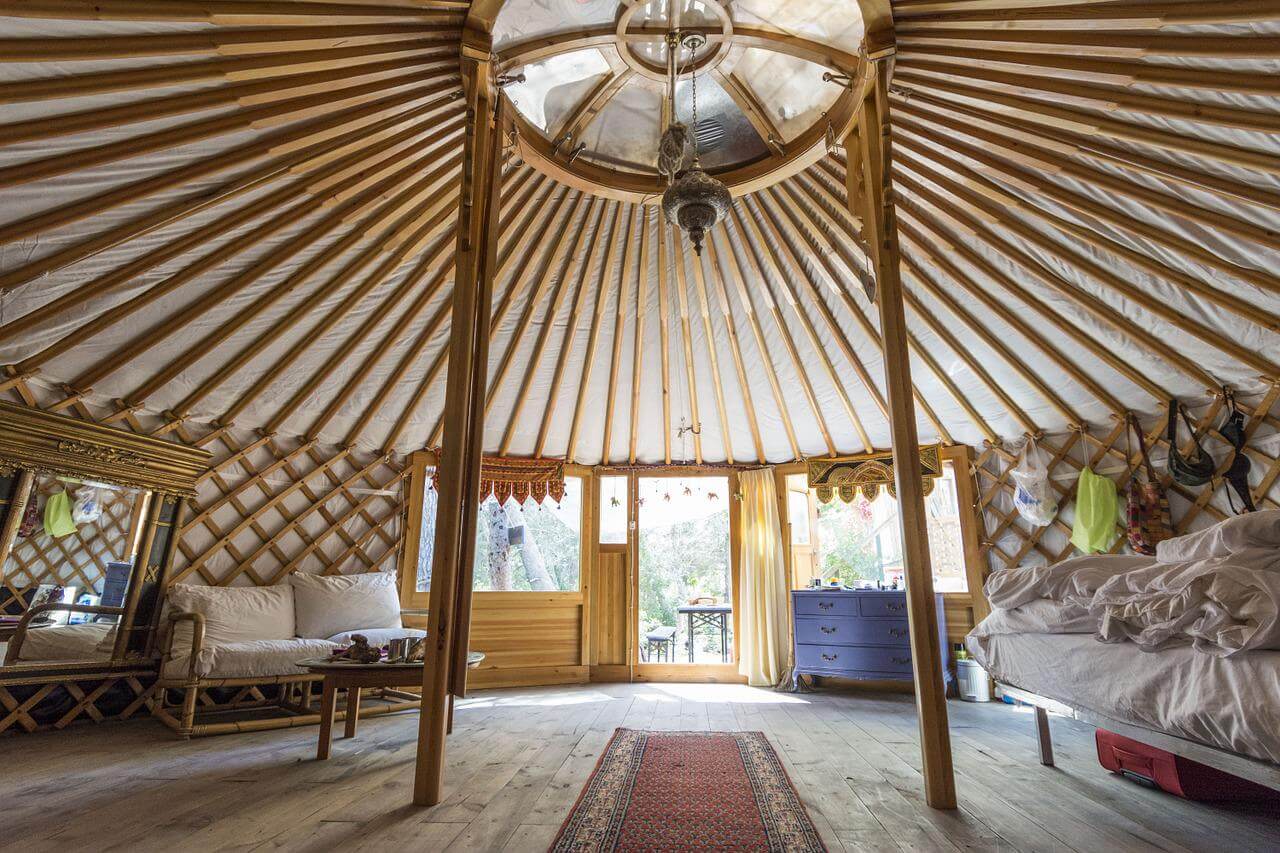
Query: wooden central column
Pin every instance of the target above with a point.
(870, 189)
(475, 260)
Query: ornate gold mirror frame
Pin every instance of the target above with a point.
(36, 442)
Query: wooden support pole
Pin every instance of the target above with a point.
(475, 261)
(881, 229)
(13, 519)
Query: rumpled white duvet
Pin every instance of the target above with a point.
(1217, 590)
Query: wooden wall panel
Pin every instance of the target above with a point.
(958, 611)
(609, 609)
(528, 638)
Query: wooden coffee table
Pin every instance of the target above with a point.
(354, 677)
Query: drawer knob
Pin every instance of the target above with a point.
(827, 629)
(902, 660)
(894, 607)
(826, 605)
(826, 656)
(897, 632)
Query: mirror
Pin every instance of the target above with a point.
(69, 569)
(89, 517)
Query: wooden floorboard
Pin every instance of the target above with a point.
(518, 759)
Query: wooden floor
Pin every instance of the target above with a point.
(518, 758)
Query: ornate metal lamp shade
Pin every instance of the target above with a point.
(696, 201)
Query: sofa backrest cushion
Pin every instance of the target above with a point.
(331, 604)
(233, 614)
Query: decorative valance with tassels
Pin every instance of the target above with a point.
(521, 479)
(866, 473)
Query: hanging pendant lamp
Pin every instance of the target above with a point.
(693, 199)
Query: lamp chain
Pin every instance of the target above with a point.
(694, 84)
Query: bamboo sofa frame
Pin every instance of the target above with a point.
(1261, 772)
(294, 700)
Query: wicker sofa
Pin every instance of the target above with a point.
(232, 652)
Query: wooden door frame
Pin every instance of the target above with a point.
(679, 672)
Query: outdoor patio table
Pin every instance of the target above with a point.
(714, 616)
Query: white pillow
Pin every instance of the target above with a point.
(1239, 533)
(332, 604)
(233, 614)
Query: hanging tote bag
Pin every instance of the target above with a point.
(1094, 527)
(57, 515)
(1032, 497)
(1237, 473)
(1195, 470)
(1147, 505)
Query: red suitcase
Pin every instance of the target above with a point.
(1173, 773)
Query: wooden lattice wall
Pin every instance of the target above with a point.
(269, 504)
(1010, 540)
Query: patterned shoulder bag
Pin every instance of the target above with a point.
(1147, 505)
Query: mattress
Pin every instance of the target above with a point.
(1232, 704)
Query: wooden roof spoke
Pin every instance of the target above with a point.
(228, 217)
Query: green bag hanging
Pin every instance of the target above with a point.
(1096, 503)
(57, 515)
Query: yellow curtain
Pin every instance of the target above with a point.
(765, 638)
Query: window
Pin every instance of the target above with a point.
(861, 540)
(684, 571)
(798, 508)
(613, 510)
(530, 546)
(427, 539)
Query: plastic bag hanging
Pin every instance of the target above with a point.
(87, 508)
(1032, 497)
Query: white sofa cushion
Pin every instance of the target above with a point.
(233, 614)
(253, 659)
(377, 636)
(329, 605)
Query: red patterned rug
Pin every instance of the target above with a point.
(659, 791)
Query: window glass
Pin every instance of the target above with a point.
(798, 508)
(613, 510)
(860, 541)
(530, 546)
(427, 538)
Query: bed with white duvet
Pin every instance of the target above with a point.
(1186, 643)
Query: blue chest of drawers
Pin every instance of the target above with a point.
(858, 634)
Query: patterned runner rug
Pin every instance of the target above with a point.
(659, 791)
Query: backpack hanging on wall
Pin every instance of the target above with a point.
(1237, 473)
(1195, 470)
(1147, 505)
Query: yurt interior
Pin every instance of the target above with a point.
(652, 425)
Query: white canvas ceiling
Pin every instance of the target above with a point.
(247, 218)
